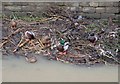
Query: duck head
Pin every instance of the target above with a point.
(63, 47)
(92, 38)
(29, 35)
(46, 40)
(13, 23)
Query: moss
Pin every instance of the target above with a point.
(25, 18)
(92, 26)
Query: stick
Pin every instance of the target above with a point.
(3, 43)
(112, 58)
(41, 44)
(21, 45)
(17, 31)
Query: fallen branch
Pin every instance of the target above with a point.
(2, 44)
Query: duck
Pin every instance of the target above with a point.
(45, 40)
(13, 24)
(29, 35)
(92, 38)
(63, 47)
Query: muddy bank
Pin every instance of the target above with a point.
(16, 69)
(81, 41)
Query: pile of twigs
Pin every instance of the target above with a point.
(70, 26)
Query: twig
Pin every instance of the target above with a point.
(41, 44)
(112, 58)
(3, 43)
(17, 31)
(21, 45)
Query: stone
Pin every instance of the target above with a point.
(118, 17)
(101, 4)
(100, 10)
(76, 4)
(72, 8)
(20, 3)
(106, 15)
(109, 3)
(39, 9)
(28, 8)
(93, 4)
(105, 4)
(116, 4)
(7, 3)
(95, 16)
(68, 4)
(32, 3)
(80, 9)
(112, 10)
(12, 8)
(89, 9)
(84, 4)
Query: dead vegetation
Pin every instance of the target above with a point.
(90, 41)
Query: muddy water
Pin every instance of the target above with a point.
(16, 69)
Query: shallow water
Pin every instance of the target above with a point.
(16, 69)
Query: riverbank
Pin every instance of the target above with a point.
(16, 69)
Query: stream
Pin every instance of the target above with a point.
(17, 69)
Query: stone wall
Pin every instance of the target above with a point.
(89, 9)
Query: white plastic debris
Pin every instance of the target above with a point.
(76, 24)
(80, 17)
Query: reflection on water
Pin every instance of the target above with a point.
(16, 69)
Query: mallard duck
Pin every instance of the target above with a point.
(92, 38)
(45, 40)
(63, 48)
(13, 24)
(29, 35)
